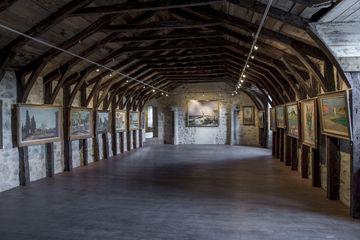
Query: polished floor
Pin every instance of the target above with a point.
(196, 192)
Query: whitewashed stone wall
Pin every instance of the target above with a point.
(177, 103)
(345, 178)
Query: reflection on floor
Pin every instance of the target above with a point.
(176, 192)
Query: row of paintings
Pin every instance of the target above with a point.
(38, 124)
(332, 109)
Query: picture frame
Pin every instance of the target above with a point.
(38, 124)
(142, 120)
(134, 120)
(334, 114)
(293, 120)
(1, 126)
(280, 116)
(120, 121)
(81, 123)
(248, 115)
(102, 121)
(273, 119)
(261, 120)
(308, 120)
(203, 113)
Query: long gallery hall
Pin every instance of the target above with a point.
(179, 119)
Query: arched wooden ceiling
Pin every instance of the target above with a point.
(167, 43)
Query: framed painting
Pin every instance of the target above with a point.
(120, 121)
(248, 115)
(273, 119)
(334, 114)
(38, 124)
(292, 120)
(261, 119)
(308, 122)
(134, 120)
(203, 113)
(280, 116)
(81, 122)
(102, 122)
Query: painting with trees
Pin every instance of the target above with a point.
(334, 114)
(292, 120)
(38, 124)
(280, 116)
(102, 122)
(120, 121)
(81, 123)
(134, 120)
(309, 122)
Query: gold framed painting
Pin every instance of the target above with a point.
(334, 114)
(309, 122)
(280, 116)
(292, 120)
(81, 122)
(38, 124)
(272, 119)
(248, 115)
(261, 119)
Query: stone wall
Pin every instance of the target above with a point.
(223, 134)
(9, 155)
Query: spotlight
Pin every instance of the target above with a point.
(244, 76)
(162, 93)
(252, 57)
(98, 70)
(256, 48)
(110, 74)
(153, 90)
(242, 80)
(167, 95)
(247, 65)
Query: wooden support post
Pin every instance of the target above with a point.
(288, 153)
(49, 147)
(333, 168)
(83, 143)
(274, 144)
(105, 146)
(294, 154)
(24, 171)
(66, 123)
(128, 132)
(316, 170)
(304, 161)
(122, 142)
(281, 145)
(141, 137)
(134, 139)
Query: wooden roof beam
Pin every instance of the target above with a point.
(134, 6)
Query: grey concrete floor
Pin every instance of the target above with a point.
(198, 192)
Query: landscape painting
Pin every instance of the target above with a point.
(261, 119)
(102, 122)
(203, 113)
(308, 122)
(334, 115)
(292, 117)
(280, 116)
(272, 119)
(80, 123)
(248, 115)
(134, 120)
(120, 121)
(38, 124)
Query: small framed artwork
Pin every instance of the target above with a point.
(280, 116)
(308, 122)
(334, 114)
(292, 120)
(81, 122)
(38, 124)
(248, 115)
(273, 119)
(120, 121)
(102, 122)
(134, 120)
(261, 119)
